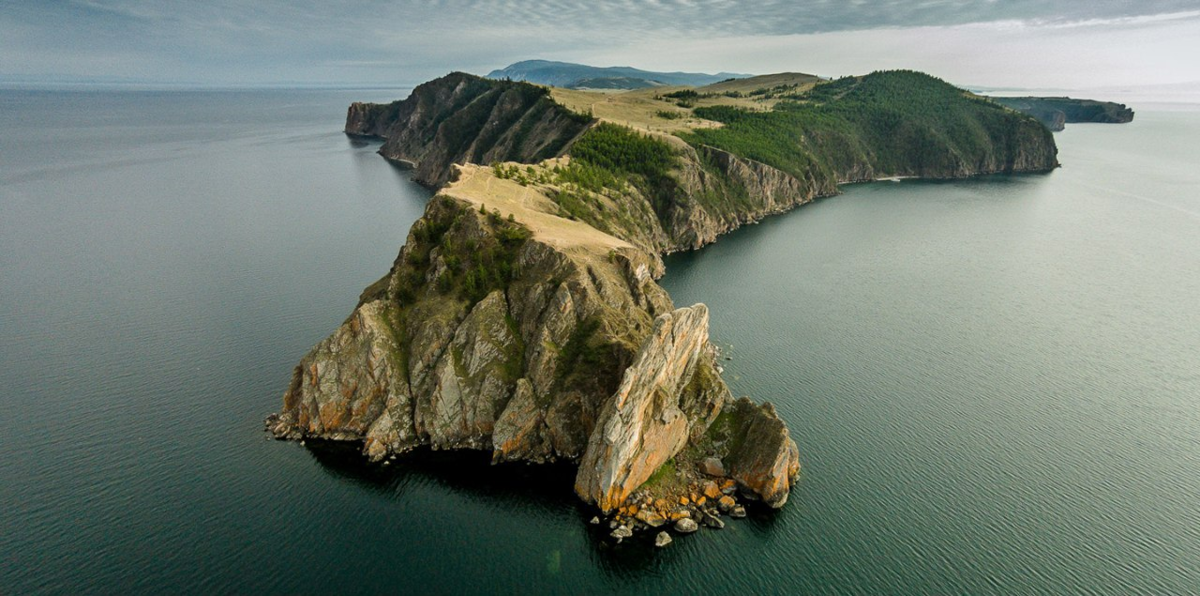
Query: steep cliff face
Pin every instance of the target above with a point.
(709, 193)
(461, 118)
(719, 192)
(371, 119)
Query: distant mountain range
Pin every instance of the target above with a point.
(581, 76)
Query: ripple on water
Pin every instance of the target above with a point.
(992, 382)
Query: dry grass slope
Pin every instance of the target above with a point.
(648, 110)
(802, 82)
(528, 205)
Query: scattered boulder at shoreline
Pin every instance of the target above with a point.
(686, 526)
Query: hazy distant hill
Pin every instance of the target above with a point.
(1055, 112)
(581, 76)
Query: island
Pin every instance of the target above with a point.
(522, 315)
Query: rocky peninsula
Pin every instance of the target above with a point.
(1057, 112)
(522, 315)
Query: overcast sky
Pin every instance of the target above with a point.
(997, 43)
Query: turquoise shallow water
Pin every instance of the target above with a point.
(994, 383)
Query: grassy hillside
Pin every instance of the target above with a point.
(762, 84)
(887, 123)
(674, 167)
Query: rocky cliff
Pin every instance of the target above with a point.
(719, 192)
(462, 118)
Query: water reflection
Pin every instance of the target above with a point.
(538, 496)
(544, 488)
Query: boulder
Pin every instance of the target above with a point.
(651, 518)
(713, 467)
(714, 522)
(662, 539)
(686, 526)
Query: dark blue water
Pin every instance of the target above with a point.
(994, 383)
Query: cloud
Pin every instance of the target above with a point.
(969, 55)
(233, 41)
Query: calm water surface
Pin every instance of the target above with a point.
(994, 383)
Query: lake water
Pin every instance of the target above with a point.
(994, 383)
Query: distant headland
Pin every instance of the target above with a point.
(1056, 112)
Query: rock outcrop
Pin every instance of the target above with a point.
(745, 190)
(762, 455)
(651, 417)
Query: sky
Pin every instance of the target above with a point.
(1031, 44)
